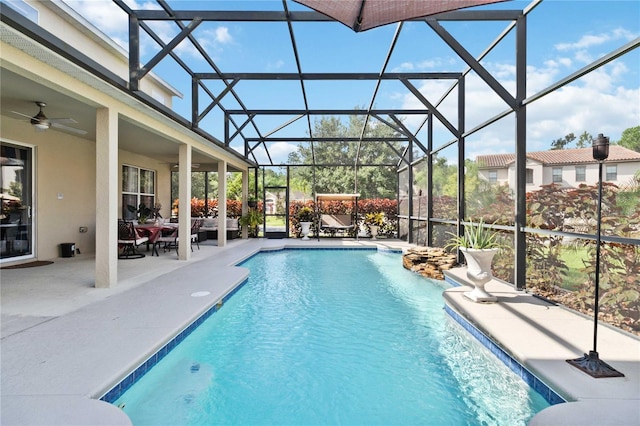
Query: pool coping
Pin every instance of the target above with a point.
(540, 336)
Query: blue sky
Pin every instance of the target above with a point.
(563, 37)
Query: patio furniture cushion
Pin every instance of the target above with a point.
(336, 221)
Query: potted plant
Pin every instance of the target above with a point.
(155, 212)
(479, 245)
(252, 219)
(142, 212)
(305, 217)
(374, 221)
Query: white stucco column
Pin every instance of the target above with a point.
(107, 190)
(222, 203)
(184, 202)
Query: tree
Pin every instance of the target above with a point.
(234, 186)
(631, 138)
(444, 176)
(563, 142)
(585, 140)
(340, 158)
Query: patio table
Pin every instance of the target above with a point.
(154, 232)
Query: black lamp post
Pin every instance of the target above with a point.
(591, 363)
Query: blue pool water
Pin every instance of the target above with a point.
(331, 337)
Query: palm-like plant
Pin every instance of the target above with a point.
(476, 236)
(376, 219)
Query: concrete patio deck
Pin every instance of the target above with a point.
(65, 343)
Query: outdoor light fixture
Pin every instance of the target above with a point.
(591, 363)
(601, 149)
(40, 121)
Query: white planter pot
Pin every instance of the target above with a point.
(305, 229)
(479, 272)
(374, 231)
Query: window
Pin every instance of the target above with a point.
(612, 173)
(529, 176)
(138, 187)
(581, 173)
(493, 175)
(557, 175)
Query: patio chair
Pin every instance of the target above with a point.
(168, 239)
(129, 240)
(195, 228)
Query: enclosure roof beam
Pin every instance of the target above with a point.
(328, 111)
(307, 16)
(328, 76)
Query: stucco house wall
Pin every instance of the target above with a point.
(64, 187)
(627, 164)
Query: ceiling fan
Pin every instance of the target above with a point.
(41, 122)
(193, 166)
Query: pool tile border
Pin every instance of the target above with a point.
(114, 393)
(529, 378)
(275, 249)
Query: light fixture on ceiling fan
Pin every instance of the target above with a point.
(41, 122)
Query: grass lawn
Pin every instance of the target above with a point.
(574, 258)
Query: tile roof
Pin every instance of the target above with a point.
(557, 157)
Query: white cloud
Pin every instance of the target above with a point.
(279, 151)
(278, 64)
(597, 103)
(102, 13)
(404, 67)
(223, 36)
(591, 40)
(424, 65)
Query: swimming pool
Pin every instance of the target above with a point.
(331, 337)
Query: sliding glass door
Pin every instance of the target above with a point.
(16, 181)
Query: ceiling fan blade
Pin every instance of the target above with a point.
(63, 120)
(23, 115)
(68, 129)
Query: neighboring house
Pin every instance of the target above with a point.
(70, 181)
(564, 167)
